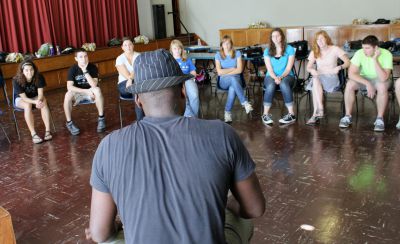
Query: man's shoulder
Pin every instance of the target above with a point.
(212, 127)
(385, 53)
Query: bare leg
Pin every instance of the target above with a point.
(99, 100)
(382, 97)
(318, 97)
(69, 96)
(27, 107)
(45, 111)
(350, 96)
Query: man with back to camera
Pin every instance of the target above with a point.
(369, 71)
(169, 175)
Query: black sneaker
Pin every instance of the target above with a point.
(288, 119)
(72, 128)
(267, 119)
(101, 124)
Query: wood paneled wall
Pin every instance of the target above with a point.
(249, 37)
(339, 34)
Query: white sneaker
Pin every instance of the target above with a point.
(379, 125)
(228, 117)
(247, 106)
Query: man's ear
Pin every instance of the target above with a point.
(76, 59)
(138, 102)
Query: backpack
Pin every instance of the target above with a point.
(301, 48)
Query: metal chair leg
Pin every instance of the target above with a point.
(120, 111)
(5, 94)
(16, 124)
(5, 133)
(51, 118)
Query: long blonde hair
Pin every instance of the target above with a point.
(179, 45)
(221, 50)
(315, 47)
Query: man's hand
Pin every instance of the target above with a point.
(39, 104)
(377, 53)
(90, 93)
(371, 91)
(84, 68)
(278, 80)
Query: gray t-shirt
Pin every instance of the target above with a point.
(170, 178)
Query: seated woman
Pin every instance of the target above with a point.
(279, 60)
(28, 86)
(229, 66)
(124, 65)
(187, 67)
(325, 75)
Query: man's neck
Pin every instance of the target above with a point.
(160, 114)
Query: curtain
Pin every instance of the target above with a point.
(25, 25)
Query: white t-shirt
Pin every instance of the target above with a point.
(123, 60)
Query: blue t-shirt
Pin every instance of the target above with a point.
(228, 62)
(186, 66)
(279, 64)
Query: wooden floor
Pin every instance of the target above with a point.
(345, 183)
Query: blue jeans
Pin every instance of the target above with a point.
(123, 93)
(285, 87)
(233, 84)
(192, 99)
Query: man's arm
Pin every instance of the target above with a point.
(250, 201)
(383, 74)
(354, 74)
(72, 88)
(102, 217)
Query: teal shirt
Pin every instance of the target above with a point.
(279, 64)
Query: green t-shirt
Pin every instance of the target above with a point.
(366, 64)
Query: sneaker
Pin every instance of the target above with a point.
(379, 125)
(228, 117)
(72, 128)
(398, 125)
(267, 119)
(101, 124)
(288, 119)
(345, 122)
(247, 106)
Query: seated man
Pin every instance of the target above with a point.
(82, 85)
(369, 71)
(172, 187)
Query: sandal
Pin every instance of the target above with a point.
(48, 136)
(36, 139)
(319, 114)
(314, 120)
